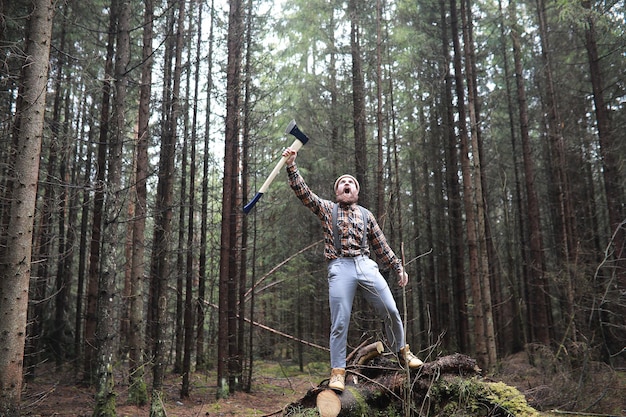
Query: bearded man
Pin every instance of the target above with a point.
(349, 232)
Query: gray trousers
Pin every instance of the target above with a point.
(345, 275)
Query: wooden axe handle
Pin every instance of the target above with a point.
(297, 144)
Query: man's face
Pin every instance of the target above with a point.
(347, 191)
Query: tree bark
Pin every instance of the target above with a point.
(358, 98)
(246, 380)
(226, 363)
(612, 185)
(468, 193)
(457, 250)
(189, 253)
(108, 292)
(82, 253)
(536, 269)
(202, 261)
(66, 233)
(15, 255)
(180, 258)
(509, 337)
(98, 210)
(137, 389)
(45, 236)
(540, 320)
(380, 184)
(478, 195)
(160, 268)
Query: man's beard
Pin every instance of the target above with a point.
(347, 198)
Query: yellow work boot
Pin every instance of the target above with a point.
(406, 357)
(337, 379)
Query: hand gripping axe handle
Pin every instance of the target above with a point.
(301, 139)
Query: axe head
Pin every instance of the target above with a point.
(292, 129)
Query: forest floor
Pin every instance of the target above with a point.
(599, 392)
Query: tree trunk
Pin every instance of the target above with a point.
(42, 258)
(202, 262)
(335, 156)
(612, 187)
(227, 364)
(457, 250)
(98, 210)
(66, 229)
(137, 392)
(246, 381)
(190, 264)
(358, 98)
(180, 253)
(536, 269)
(82, 254)
(161, 263)
(429, 291)
(478, 195)
(510, 335)
(539, 309)
(468, 196)
(108, 293)
(380, 184)
(45, 236)
(16, 248)
(54, 207)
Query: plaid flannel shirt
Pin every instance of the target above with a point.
(350, 225)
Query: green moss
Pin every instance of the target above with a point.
(105, 406)
(105, 396)
(475, 397)
(157, 408)
(508, 398)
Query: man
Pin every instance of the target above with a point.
(347, 249)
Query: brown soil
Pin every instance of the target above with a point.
(57, 393)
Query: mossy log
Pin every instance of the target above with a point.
(450, 385)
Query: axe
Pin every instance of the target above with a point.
(301, 139)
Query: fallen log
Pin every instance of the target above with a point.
(380, 386)
(328, 403)
(369, 352)
(384, 384)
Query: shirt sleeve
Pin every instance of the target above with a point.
(302, 190)
(380, 246)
